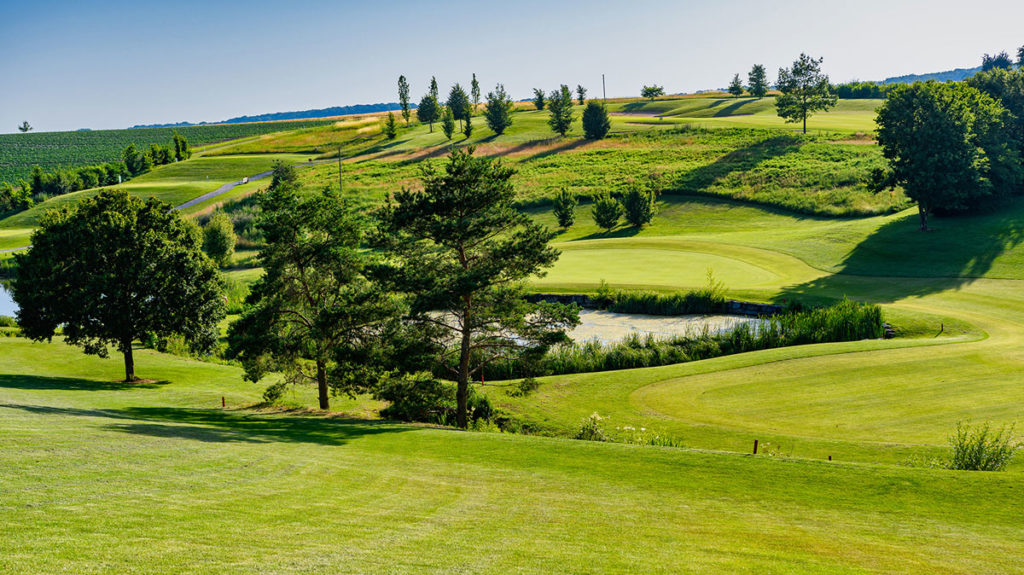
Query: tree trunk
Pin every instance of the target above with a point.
(922, 211)
(462, 393)
(321, 383)
(805, 122)
(129, 362)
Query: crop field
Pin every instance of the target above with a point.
(157, 477)
(19, 152)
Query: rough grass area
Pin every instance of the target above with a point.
(811, 174)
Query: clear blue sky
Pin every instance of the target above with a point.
(78, 64)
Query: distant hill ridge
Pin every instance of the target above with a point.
(299, 115)
(949, 75)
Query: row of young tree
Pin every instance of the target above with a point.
(638, 205)
(43, 184)
(498, 107)
(441, 292)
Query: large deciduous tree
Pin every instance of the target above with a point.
(498, 110)
(1007, 87)
(560, 106)
(463, 253)
(947, 145)
(313, 313)
(757, 81)
(805, 90)
(113, 269)
(403, 98)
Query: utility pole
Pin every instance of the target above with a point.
(604, 93)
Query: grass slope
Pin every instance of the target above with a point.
(156, 478)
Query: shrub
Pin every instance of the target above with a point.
(417, 398)
(607, 211)
(275, 392)
(590, 429)
(524, 388)
(980, 448)
(565, 208)
(219, 239)
(390, 127)
(640, 206)
(7, 321)
(421, 397)
(595, 121)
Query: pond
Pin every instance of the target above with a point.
(7, 305)
(607, 327)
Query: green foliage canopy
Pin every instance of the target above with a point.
(805, 90)
(560, 106)
(947, 145)
(596, 123)
(757, 81)
(113, 269)
(498, 110)
(463, 253)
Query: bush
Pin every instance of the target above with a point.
(640, 206)
(7, 321)
(607, 211)
(423, 398)
(565, 208)
(981, 449)
(219, 239)
(524, 388)
(595, 121)
(275, 392)
(590, 429)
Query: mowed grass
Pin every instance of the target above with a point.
(847, 116)
(174, 183)
(103, 477)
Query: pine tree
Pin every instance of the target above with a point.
(428, 110)
(581, 94)
(447, 122)
(736, 86)
(560, 106)
(606, 211)
(433, 88)
(498, 110)
(565, 208)
(467, 130)
(805, 90)
(640, 206)
(458, 104)
(758, 82)
(595, 121)
(390, 127)
(538, 98)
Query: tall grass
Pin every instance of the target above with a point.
(709, 299)
(844, 321)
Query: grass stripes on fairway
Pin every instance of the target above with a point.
(100, 477)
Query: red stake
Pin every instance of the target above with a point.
(222, 402)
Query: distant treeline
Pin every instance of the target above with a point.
(300, 115)
(949, 75)
(863, 90)
(43, 184)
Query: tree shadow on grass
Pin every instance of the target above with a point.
(699, 179)
(898, 261)
(18, 381)
(730, 110)
(220, 426)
